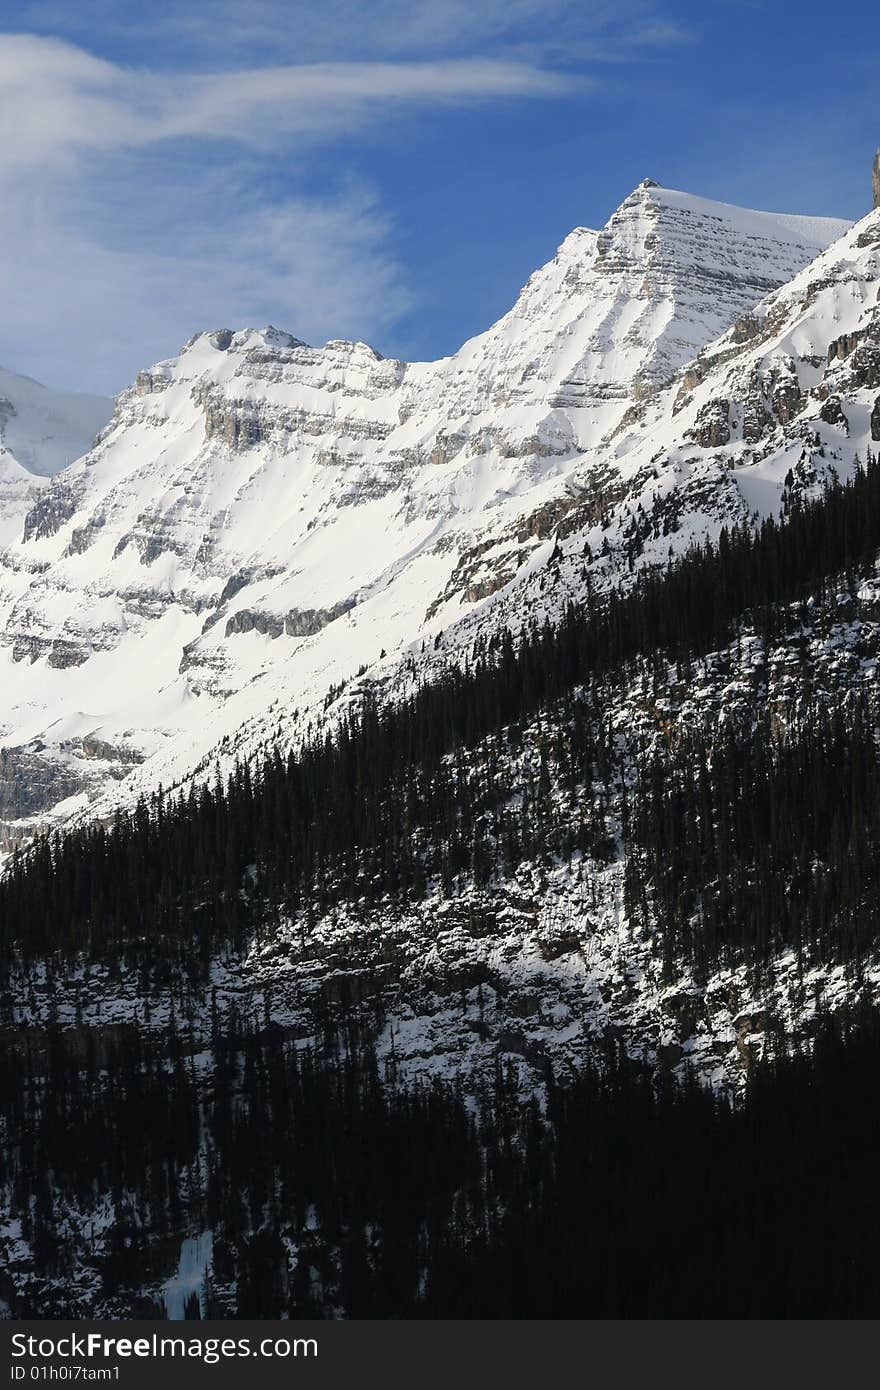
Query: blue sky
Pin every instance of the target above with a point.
(387, 170)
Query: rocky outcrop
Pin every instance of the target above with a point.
(146, 383)
(750, 1026)
(50, 512)
(65, 653)
(84, 536)
(243, 423)
(746, 328)
(249, 620)
(29, 784)
(864, 365)
(712, 427)
(756, 418)
(788, 398)
(298, 622)
(547, 519)
(841, 347)
(690, 379)
(875, 421)
(305, 622)
(832, 413)
(445, 447)
(687, 1009)
(98, 748)
(234, 585)
(238, 425)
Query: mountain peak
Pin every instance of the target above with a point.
(265, 509)
(226, 339)
(793, 229)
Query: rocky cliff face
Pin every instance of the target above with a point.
(261, 520)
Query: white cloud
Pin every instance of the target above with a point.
(139, 206)
(139, 203)
(315, 30)
(88, 316)
(60, 100)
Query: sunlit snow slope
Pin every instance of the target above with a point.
(261, 518)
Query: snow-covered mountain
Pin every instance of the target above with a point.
(262, 520)
(45, 430)
(667, 846)
(786, 398)
(41, 432)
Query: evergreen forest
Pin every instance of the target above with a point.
(618, 1191)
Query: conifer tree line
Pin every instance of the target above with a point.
(625, 1194)
(392, 804)
(754, 846)
(622, 1195)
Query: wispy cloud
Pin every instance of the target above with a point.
(188, 162)
(60, 99)
(73, 305)
(317, 30)
(136, 206)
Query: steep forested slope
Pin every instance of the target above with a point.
(425, 791)
(290, 1175)
(271, 1096)
(534, 971)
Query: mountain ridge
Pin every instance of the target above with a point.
(254, 490)
(582, 862)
